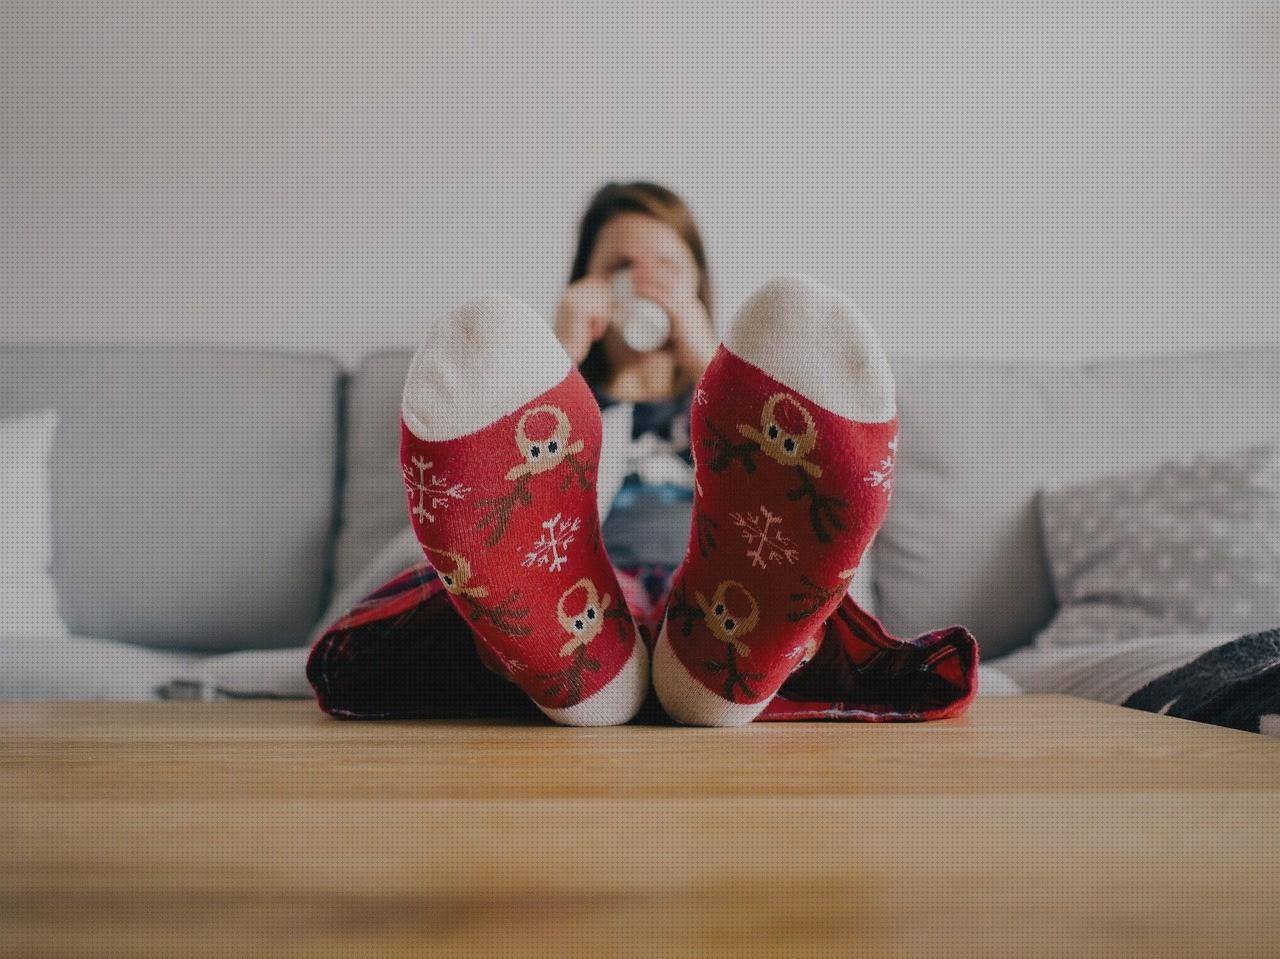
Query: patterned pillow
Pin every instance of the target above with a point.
(1188, 545)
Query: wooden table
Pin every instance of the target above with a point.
(1038, 825)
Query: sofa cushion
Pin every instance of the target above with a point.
(373, 503)
(1190, 546)
(192, 489)
(72, 667)
(962, 540)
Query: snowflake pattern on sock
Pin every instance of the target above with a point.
(427, 496)
(882, 474)
(550, 550)
(769, 545)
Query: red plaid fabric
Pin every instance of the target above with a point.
(404, 652)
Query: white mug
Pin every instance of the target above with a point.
(644, 325)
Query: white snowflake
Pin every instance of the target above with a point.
(805, 652)
(771, 545)
(551, 549)
(700, 396)
(429, 494)
(882, 475)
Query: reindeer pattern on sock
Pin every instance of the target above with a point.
(584, 622)
(455, 575)
(539, 455)
(786, 448)
(731, 614)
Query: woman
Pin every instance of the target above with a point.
(649, 231)
(646, 477)
(564, 549)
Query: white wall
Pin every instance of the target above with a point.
(1073, 180)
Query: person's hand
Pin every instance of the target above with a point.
(692, 335)
(583, 316)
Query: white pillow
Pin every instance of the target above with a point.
(28, 599)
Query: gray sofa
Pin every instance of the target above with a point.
(209, 500)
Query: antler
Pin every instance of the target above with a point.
(703, 525)
(679, 606)
(569, 679)
(735, 678)
(724, 452)
(496, 510)
(813, 598)
(623, 617)
(822, 508)
(580, 470)
(501, 614)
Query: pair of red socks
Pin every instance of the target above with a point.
(794, 434)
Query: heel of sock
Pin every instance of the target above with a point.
(816, 341)
(482, 361)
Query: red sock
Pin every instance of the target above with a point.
(500, 440)
(794, 430)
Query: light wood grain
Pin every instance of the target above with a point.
(1035, 826)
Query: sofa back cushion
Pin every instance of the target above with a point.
(192, 489)
(373, 499)
(962, 541)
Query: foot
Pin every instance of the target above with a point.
(500, 439)
(794, 429)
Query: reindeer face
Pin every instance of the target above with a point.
(582, 623)
(456, 574)
(786, 447)
(731, 614)
(783, 445)
(542, 453)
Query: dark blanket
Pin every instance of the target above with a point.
(404, 652)
(1236, 684)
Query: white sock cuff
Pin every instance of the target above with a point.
(483, 361)
(816, 341)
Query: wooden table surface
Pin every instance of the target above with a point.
(1038, 825)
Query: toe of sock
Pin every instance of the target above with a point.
(477, 364)
(816, 341)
